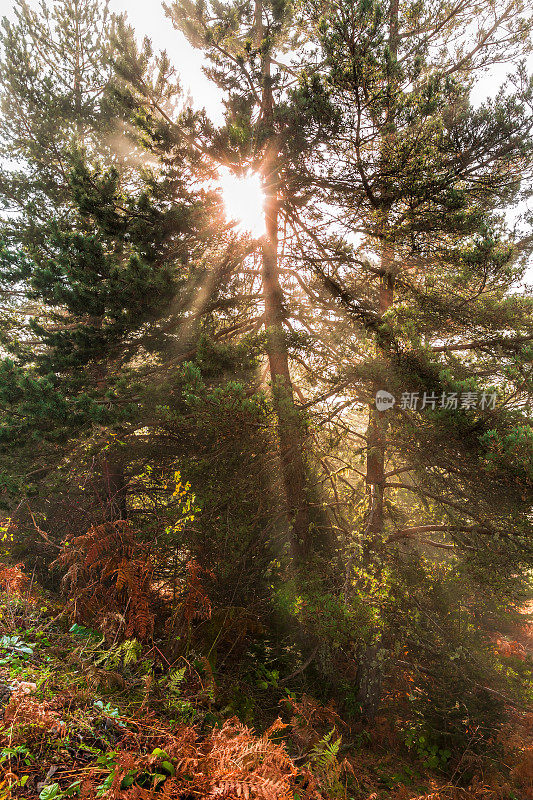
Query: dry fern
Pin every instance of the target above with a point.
(108, 579)
(12, 579)
(232, 762)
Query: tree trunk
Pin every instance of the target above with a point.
(375, 471)
(114, 491)
(289, 425)
(111, 484)
(370, 659)
(377, 420)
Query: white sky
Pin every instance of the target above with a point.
(149, 19)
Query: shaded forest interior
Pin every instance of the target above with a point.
(266, 483)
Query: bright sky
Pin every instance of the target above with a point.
(149, 19)
(155, 24)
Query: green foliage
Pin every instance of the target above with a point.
(83, 632)
(122, 655)
(324, 764)
(175, 680)
(19, 752)
(139, 324)
(430, 754)
(324, 754)
(107, 709)
(53, 791)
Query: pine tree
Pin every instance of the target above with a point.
(52, 77)
(387, 264)
(383, 197)
(268, 124)
(98, 244)
(419, 179)
(126, 276)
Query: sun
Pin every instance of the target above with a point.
(244, 201)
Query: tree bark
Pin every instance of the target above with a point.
(114, 491)
(369, 674)
(111, 484)
(289, 425)
(376, 432)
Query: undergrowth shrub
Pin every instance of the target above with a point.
(231, 762)
(108, 581)
(454, 683)
(20, 609)
(12, 579)
(310, 722)
(148, 759)
(210, 422)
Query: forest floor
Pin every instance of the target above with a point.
(84, 719)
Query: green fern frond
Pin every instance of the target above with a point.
(175, 679)
(120, 655)
(323, 756)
